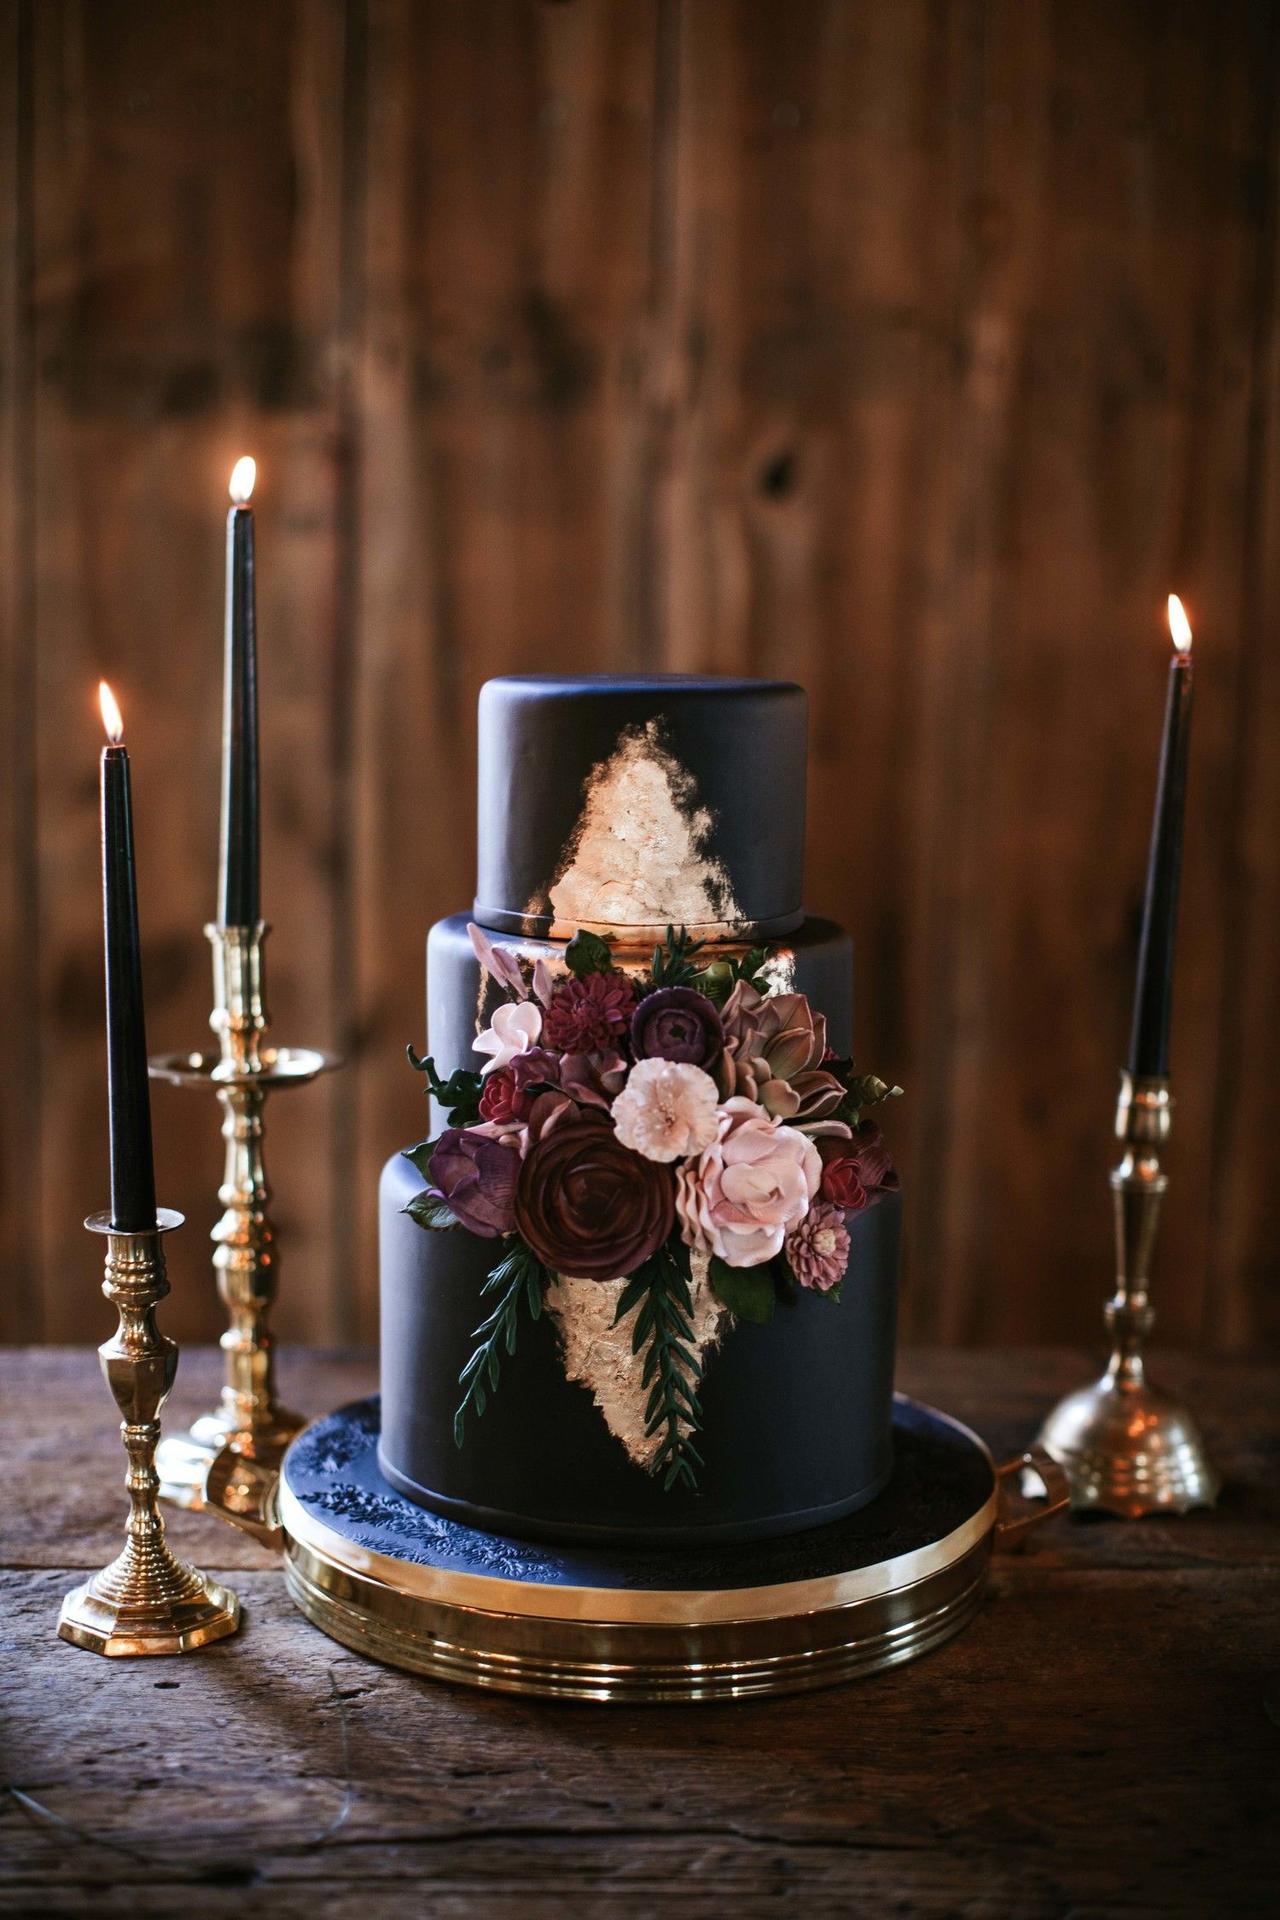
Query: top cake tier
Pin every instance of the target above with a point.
(628, 805)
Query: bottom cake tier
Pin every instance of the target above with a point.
(797, 1415)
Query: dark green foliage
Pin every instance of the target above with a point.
(664, 1330)
(750, 1292)
(588, 953)
(421, 1156)
(459, 1094)
(519, 1280)
(429, 1210)
(861, 1090)
(673, 963)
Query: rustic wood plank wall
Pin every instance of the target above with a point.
(912, 349)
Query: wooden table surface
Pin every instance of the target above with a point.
(1103, 1739)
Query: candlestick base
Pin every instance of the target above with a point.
(147, 1601)
(1128, 1449)
(162, 1607)
(1125, 1447)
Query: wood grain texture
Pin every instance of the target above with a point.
(1102, 1739)
(912, 350)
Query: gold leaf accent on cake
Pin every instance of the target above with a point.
(639, 855)
(779, 971)
(597, 1355)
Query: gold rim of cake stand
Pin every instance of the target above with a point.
(614, 1661)
(608, 1644)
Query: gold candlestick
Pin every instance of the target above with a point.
(242, 1073)
(147, 1600)
(1127, 1448)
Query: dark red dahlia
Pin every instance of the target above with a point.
(587, 1015)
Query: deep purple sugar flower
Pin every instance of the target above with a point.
(476, 1176)
(677, 1023)
(535, 1067)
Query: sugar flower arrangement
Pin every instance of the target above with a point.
(690, 1119)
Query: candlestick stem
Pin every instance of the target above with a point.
(1126, 1447)
(249, 1416)
(147, 1600)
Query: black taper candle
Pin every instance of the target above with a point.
(238, 895)
(133, 1181)
(1153, 997)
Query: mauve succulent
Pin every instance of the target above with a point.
(774, 1045)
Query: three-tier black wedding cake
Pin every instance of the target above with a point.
(639, 1282)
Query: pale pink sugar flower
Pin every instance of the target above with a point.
(750, 1186)
(498, 962)
(666, 1110)
(544, 981)
(516, 1027)
(818, 1248)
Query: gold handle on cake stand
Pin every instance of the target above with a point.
(241, 1074)
(1015, 1488)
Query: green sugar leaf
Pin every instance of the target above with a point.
(429, 1210)
(519, 1279)
(747, 1291)
(421, 1156)
(588, 953)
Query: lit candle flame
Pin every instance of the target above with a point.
(1179, 625)
(243, 475)
(112, 719)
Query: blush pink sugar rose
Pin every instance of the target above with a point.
(742, 1196)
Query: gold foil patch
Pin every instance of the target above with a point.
(639, 856)
(597, 1355)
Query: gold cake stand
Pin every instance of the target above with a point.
(393, 1582)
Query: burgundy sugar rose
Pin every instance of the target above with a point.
(476, 1176)
(677, 1023)
(587, 1205)
(502, 1101)
(586, 1016)
(508, 1094)
(855, 1171)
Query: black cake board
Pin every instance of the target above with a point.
(606, 1623)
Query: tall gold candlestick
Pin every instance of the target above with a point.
(242, 1073)
(1126, 1447)
(147, 1600)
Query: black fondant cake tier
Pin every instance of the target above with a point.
(625, 804)
(797, 1414)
